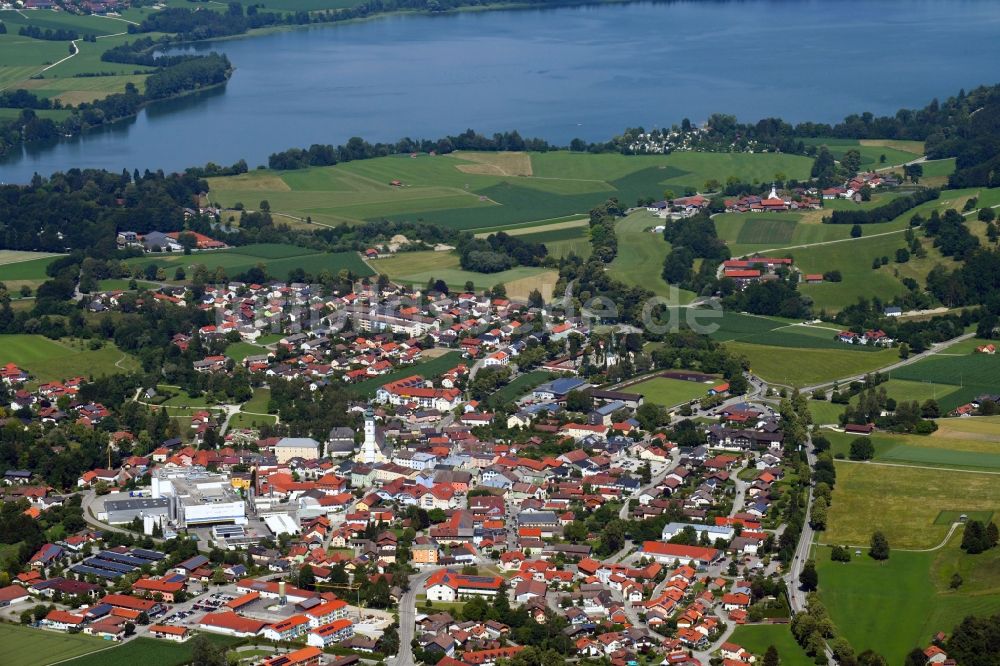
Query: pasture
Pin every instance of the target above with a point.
(25, 646)
(279, 260)
(670, 392)
(479, 191)
(969, 375)
(793, 366)
(872, 150)
(639, 262)
(51, 360)
(18, 265)
(903, 502)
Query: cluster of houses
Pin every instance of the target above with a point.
(874, 337)
(52, 402)
(754, 269)
(795, 199)
(852, 188)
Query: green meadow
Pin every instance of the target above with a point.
(49, 360)
(758, 637)
(793, 366)
(972, 444)
(24, 646)
(278, 259)
(488, 191)
(641, 252)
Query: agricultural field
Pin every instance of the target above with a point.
(488, 191)
(854, 258)
(969, 375)
(639, 261)
(670, 392)
(758, 637)
(416, 268)
(278, 259)
(24, 646)
(903, 502)
(972, 444)
(31, 63)
(792, 366)
(115, 284)
(897, 605)
(895, 152)
(50, 360)
(426, 369)
(148, 650)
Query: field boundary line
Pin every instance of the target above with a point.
(829, 242)
(21, 261)
(87, 654)
(928, 467)
(944, 542)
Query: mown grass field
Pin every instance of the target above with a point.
(47, 360)
(794, 366)
(903, 502)
(641, 252)
(670, 392)
(24, 646)
(148, 650)
(278, 259)
(758, 637)
(483, 191)
(257, 408)
(18, 265)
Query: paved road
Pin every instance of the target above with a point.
(407, 618)
(741, 491)
(797, 598)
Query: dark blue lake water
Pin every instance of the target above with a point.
(584, 72)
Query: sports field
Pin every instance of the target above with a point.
(25, 646)
(488, 191)
(641, 252)
(48, 360)
(416, 268)
(670, 392)
(278, 259)
(793, 366)
(903, 502)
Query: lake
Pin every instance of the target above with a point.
(585, 72)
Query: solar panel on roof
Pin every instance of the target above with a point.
(98, 563)
(147, 554)
(84, 569)
(112, 556)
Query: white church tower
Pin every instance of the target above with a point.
(371, 452)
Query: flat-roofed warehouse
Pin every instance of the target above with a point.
(121, 511)
(198, 497)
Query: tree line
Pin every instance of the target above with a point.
(884, 213)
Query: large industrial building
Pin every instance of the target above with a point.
(197, 497)
(117, 512)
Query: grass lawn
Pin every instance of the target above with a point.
(824, 411)
(639, 261)
(903, 502)
(802, 367)
(428, 370)
(16, 265)
(25, 646)
(48, 360)
(240, 350)
(150, 651)
(758, 637)
(114, 284)
(670, 392)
